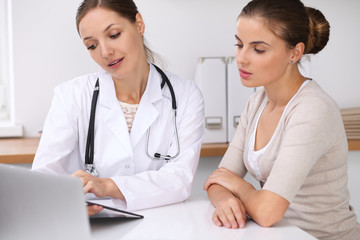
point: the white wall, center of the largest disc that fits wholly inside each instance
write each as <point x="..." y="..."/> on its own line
<point x="47" y="50"/>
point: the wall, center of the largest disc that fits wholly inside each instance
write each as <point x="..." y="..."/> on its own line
<point x="48" y="51"/>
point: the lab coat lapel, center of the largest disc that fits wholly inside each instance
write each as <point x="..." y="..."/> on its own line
<point x="147" y="112"/>
<point x="114" y="117"/>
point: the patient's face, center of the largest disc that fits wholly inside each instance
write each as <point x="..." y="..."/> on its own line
<point x="262" y="57"/>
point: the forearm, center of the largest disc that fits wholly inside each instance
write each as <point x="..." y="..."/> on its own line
<point x="265" y="207"/>
<point x="218" y="193"/>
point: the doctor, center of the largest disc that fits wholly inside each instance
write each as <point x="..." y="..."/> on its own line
<point x="144" y="153"/>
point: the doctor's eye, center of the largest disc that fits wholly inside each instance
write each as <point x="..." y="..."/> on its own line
<point x="92" y="47"/>
<point x="114" y="36"/>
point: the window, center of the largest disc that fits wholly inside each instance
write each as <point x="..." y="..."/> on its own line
<point x="4" y="62"/>
<point x="7" y="122"/>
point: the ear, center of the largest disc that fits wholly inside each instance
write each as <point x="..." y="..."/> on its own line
<point x="140" y="25"/>
<point x="297" y="52"/>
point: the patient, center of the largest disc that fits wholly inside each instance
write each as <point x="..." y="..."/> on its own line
<point x="290" y="137"/>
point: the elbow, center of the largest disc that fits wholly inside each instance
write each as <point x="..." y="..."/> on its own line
<point x="267" y="221"/>
<point x="269" y="210"/>
<point x="268" y="217"/>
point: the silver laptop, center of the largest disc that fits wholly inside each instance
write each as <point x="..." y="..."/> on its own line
<point x="41" y="206"/>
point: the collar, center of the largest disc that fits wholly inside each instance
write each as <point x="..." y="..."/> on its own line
<point x="107" y="95"/>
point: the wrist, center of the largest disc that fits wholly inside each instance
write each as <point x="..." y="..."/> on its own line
<point x="242" y="188"/>
<point x="111" y="189"/>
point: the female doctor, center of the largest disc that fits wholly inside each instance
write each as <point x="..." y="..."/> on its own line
<point x="144" y="153"/>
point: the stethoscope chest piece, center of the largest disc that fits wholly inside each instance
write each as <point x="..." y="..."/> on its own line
<point x="89" y="168"/>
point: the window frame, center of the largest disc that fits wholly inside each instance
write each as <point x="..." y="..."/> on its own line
<point x="8" y="128"/>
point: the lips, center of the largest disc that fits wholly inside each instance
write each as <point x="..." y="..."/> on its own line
<point x="115" y="63"/>
<point x="244" y="74"/>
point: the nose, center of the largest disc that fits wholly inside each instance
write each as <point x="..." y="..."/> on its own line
<point x="106" y="50"/>
<point x="241" y="56"/>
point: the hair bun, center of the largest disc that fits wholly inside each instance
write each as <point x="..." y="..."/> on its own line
<point x="319" y="31"/>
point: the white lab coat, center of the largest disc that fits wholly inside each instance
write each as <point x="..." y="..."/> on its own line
<point x="144" y="182"/>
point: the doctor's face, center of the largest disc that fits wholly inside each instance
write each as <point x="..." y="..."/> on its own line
<point x="262" y="57"/>
<point x="115" y="43"/>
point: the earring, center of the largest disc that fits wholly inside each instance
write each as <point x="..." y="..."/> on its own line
<point x="291" y="61"/>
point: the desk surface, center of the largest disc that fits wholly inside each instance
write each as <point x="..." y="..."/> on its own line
<point x="188" y="220"/>
<point x="22" y="150"/>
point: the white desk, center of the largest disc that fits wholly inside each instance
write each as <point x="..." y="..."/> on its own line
<point x="188" y="220"/>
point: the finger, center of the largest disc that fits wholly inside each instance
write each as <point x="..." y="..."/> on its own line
<point x="233" y="223"/>
<point x="239" y="214"/>
<point x="216" y="220"/>
<point x="223" y="218"/>
<point x="212" y="179"/>
<point x="88" y="187"/>
<point x="79" y="173"/>
<point x="240" y="219"/>
<point x="224" y="170"/>
<point x="242" y="222"/>
<point x="94" y="209"/>
<point x="207" y="184"/>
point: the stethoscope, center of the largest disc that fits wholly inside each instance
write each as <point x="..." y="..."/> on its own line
<point x="89" y="152"/>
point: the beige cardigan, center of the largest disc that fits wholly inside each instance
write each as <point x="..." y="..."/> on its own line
<point x="306" y="162"/>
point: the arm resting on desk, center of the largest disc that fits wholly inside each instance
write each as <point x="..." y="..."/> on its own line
<point x="265" y="207"/>
<point x="230" y="211"/>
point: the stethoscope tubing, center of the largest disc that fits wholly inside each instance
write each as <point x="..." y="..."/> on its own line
<point x="89" y="151"/>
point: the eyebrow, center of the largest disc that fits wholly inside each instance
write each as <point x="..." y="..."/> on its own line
<point x="107" y="28"/>
<point x="254" y="42"/>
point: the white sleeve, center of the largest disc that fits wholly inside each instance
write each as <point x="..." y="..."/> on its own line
<point x="58" y="139"/>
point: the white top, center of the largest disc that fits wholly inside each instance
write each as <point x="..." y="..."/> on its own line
<point x="129" y="113"/>
<point x="144" y="182"/>
<point x="253" y="156"/>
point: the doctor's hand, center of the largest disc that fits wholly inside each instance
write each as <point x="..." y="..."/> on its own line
<point x="94" y="209"/>
<point x="91" y="184"/>
<point x="101" y="187"/>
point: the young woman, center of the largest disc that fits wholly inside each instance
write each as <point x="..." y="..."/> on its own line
<point x="142" y="144"/>
<point x="291" y="136"/>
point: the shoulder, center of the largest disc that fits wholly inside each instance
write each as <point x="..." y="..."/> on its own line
<point x="313" y="105"/>
<point x="73" y="93"/>
<point x="182" y="83"/>
<point x="184" y="88"/>
<point x="315" y="100"/>
<point x="77" y="84"/>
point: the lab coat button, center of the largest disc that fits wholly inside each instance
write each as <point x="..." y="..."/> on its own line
<point x="127" y="166"/>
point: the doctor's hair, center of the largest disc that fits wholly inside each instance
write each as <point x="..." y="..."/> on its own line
<point x="291" y="21"/>
<point x="125" y="8"/>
